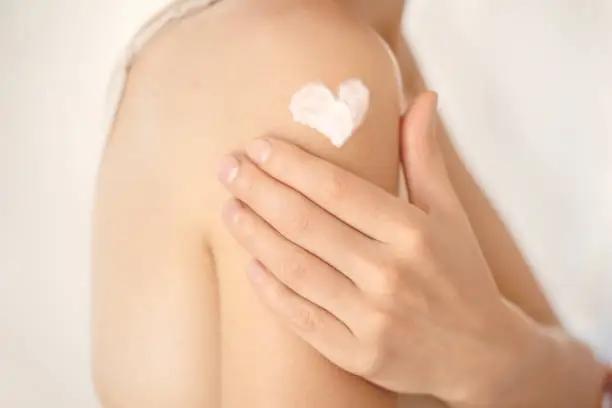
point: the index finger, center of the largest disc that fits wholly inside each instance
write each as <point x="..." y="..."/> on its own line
<point x="358" y="202"/>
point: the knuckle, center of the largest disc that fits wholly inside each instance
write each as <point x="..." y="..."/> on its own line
<point x="388" y="280"/>
<point x="305" y="319"/>
<point x="334" y="186"/>
<point x="276" y="294"/>
<point x="404" y="221"/>
<point x="384" y="272"/>
<point x="418" y="243"/>
<point x="297" y="222"/>
<point x="376" y="347"/>
<point x="371" y="362"/>
<point x="335" y="289"/>
<point x="292" y="273"/>
<point x="373" y="262"/>
<point x="379" y="329"/>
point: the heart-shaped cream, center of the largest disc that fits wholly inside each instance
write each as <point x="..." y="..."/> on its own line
<point x="337" y="117"/>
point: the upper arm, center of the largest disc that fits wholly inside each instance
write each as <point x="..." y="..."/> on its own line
<point x="155" y="307"/>
<point x="200" y="89"/>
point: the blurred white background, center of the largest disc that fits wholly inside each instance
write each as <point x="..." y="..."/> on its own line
<point x="526" y="86"/>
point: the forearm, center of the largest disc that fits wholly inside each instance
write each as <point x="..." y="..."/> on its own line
<point x="570" y="374"/>
<point x="559" y="372"/>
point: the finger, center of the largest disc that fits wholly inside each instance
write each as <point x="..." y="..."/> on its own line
<point x="361" y="204"/>
<point x="299" y="270"/>
<point x="316" y="326"/>
<point x="297" y="218"/>
<point x="429" y="187"/>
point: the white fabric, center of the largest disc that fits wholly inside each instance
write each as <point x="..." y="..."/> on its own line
<point x="544" y="158"/>
<point x="526" y="90"/>
<point x="176" y="10"/>
<point x="172" y="11"/>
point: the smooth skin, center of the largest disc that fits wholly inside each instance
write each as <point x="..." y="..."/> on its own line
<point x="377" y="284"/>
<point x="175" y="321"/>
<point x="369" y="280"/>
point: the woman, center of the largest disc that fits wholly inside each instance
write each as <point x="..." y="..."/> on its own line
<point x="176" y="322"/>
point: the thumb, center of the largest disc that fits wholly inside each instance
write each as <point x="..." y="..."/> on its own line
<point x="427" y="182"/>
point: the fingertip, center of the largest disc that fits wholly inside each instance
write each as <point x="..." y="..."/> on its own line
<point x="259" y="150"/>
<point x="228" y="168"/>
<point x="433" y="104"/>
<point x="432" y="97"/>
<point x="425" y="106"/>
<point x="232" y="210"/>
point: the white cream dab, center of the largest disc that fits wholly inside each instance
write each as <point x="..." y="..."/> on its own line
<point x="336" y="117"/>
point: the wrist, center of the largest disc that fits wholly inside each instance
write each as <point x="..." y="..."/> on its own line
<point x="540" y="367"/>
<point x="566" y="375"/>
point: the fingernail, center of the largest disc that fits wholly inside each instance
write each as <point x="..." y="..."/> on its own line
<point x="228" y="169"/>
<point x="232" y="211"/>
<point x="433" y="124"/>
<point x="259" y="150"/>
<point x="435" y="106"/>
<point x="256" y="272"/>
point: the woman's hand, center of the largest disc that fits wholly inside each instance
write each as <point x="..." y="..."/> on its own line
<point x="395" y="292"/>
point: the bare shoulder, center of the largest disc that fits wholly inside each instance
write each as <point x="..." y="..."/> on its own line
<point x="206" y="84"/>
<point x="200" y="88"/>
